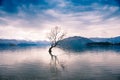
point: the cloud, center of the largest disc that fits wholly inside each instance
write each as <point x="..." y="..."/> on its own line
<point x="75" y="16"/>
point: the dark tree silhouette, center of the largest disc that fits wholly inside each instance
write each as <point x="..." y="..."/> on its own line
<point x="55" y="36"/>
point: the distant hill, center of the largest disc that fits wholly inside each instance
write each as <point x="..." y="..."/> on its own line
<point x="111" y="40"/>
<point x="114" y="39"/>
<point x="75" y="42"/>
<point x="13" y="42"/>
<point x="99" y="39"/>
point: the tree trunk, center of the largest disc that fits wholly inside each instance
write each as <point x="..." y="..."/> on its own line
<point x="50" y="50"/>
<point x="52" y="46"/>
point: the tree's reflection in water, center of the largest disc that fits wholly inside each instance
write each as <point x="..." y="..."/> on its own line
<point x="56" y="67"/>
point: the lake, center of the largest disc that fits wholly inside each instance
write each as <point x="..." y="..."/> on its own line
<point x="36" y="64"/>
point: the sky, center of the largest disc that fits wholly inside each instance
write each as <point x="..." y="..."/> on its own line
<point x="33" y="19"/>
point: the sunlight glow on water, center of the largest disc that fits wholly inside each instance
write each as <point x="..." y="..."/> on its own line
<point x="36" y="64"/>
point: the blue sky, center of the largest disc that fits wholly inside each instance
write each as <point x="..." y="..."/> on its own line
<point x="32" y="19"/>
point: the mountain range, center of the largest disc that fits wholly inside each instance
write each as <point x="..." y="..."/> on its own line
<point x="77" y="43"/>
<point x="14" y="42"/>
<point x="111" y="40"/>
<point x="70" y="42"/>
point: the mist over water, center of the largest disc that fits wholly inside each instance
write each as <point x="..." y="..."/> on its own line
<point x="36" y="64"/>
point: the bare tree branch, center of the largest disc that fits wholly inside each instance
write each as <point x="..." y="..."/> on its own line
<point x="55" y="35"/>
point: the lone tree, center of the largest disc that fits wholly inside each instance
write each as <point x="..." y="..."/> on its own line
<point x="55" y="36"/>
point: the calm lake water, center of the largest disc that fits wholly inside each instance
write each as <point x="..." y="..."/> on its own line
<point x="37" y="64"/>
